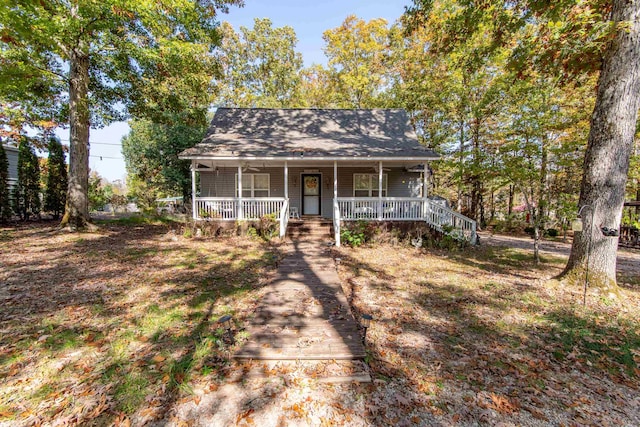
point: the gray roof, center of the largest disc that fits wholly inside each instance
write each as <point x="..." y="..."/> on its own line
<point x="330" y="133"/>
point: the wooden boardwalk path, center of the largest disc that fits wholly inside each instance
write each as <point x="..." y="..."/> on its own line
<point x="304" y="314"/>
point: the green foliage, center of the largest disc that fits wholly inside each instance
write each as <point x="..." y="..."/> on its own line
<point x="56" y="186"/>
<point x="26" y="194"/>
<point x="357" y="233"/>
<point x="151" y="151"/>
<point x="260" y="66"/>
<point x="86" y="63"/>
<point x="356" y="52"/>
<point x="552" y="232"/>
<point x="5" y="199"/>
<point x="99" y="192"/>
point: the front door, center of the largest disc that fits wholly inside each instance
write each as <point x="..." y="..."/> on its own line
<point x="311" y="189"/>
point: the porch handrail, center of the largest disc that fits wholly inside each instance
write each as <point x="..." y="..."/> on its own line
<point x="284" y="218"/>
<point x="336" y="222"/>
<point x="436" y="215"/>
<point x="452" y="223"/>
<point x="226" y="208"/>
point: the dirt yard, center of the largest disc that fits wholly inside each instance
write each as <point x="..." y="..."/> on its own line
<point x="119" y="327"/>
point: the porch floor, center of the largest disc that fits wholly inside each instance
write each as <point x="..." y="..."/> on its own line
<point x="304" y="314"/>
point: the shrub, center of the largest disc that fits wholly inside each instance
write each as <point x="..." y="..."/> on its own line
<point x="529" y="230"/>
<point x="268" y="226"/>
<point x="358" y="233"/>
<point x="552" y="232"/>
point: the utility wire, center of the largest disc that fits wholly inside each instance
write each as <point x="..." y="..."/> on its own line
<point x="97" y="142"/>
<point x="106" y="157"/>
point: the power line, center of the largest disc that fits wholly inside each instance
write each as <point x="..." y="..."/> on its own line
<point x="97" y="142"/>
<point x="106" y="157"/>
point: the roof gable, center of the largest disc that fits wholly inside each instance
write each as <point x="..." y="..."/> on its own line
<point x="256" y="133"/>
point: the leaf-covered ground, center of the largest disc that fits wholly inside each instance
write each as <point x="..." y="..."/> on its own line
<point x="119" y="327"/>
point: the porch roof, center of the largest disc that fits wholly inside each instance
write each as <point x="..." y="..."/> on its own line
<point x="309" y="134"/>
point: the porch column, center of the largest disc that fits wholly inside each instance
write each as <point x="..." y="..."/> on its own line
<point x="194" y="213"/>
<point x="425" y="178"/>
<point x="239" y="214"/>
<point x="380" y="190"/>
<point x="286" y="180"/>
<point x="335" y="180"/>
<point x="336" y="221"/>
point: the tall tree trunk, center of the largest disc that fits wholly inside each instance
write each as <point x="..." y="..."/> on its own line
<point x="77" y="207"/>
<point x="606" y="164"/>
<point x="510" y="201"/>
<point x="476" y="185"/>
<point x="461" y="164"/>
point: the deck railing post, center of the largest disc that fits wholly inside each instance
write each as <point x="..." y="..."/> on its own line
<point x="194" y="212"/>
<point x="240" y="214"/>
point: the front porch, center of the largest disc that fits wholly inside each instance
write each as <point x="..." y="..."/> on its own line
<point x="363" y="191"/>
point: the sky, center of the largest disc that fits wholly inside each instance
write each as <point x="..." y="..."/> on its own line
<point x="309" y="19"/>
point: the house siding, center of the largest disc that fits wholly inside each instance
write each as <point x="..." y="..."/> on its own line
<point x="222" y="183"/>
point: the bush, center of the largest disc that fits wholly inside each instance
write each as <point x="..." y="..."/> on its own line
<point x="268" y="226"/>
<point x="358" y="233"/>
<point x="529" y="230"/>
<point x="552" y="232"/>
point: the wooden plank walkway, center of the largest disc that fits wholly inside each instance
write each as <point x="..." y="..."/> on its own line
<point x="304" y="314"/>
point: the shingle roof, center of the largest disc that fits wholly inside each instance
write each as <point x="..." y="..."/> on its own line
<point x="283" y="133"/>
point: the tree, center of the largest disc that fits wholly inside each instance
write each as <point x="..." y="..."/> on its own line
<point x="260" y="66"/>
<point x="566" y="40"/>
<point x="5" y="204"/>
<point x="611" y="138"/>
<point x="99" y="192"/>
<point x="56" y="187"/>
<point x="26" y="194"/>
<point x="151" y="155"/>
<point x="356" y="51"/>
<point x="144" y="55"/>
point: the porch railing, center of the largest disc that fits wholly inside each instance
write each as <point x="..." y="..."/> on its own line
<point x="405" y="209"/>
<point x="284" y="218"/>
<point x="233" y="208"/>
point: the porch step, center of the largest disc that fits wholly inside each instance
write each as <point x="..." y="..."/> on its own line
<point x="314" y="228"/>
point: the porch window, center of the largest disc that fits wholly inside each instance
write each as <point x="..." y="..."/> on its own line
<point x="254" y="185"/>
<point x="366" y="185"/>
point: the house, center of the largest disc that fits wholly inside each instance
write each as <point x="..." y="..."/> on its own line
<point x="12" y="157"/>
<point x="342" y="165"/>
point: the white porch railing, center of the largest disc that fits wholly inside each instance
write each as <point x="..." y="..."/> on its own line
<point x="404" y="209"/>
<point x="233" y="208"/>
<point x="336" y="221"/>
<point x="284" y="218"/>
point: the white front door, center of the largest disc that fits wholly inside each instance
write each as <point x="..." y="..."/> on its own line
<point x="311" y="189"/>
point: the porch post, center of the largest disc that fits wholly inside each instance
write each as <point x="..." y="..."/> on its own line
<point x="286" y="180"/>
<point x="336" y="221"/>
<point x="239" y="214"/>
<point x="335" y="180"/>
<point x="194" y="214"/>
<point x="425" y="178"/>
<point x="380" y="190"/>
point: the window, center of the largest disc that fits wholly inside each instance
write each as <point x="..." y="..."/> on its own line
<point x="254" y="185"/>
<point x="366" y="185"/>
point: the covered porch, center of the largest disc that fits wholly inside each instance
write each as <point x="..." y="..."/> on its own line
<point x="339" y="190"/>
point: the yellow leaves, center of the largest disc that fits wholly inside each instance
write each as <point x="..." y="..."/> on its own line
<point x="158" y="358"/>
<point x="244" y="418"/>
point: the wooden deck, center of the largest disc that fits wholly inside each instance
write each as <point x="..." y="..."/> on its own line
<point x="304" y="315"/>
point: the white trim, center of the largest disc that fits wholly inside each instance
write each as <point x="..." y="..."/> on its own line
<point x="250" y="177"/>
<point x="302" y="191"/>
<point x="372" y="181"/>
